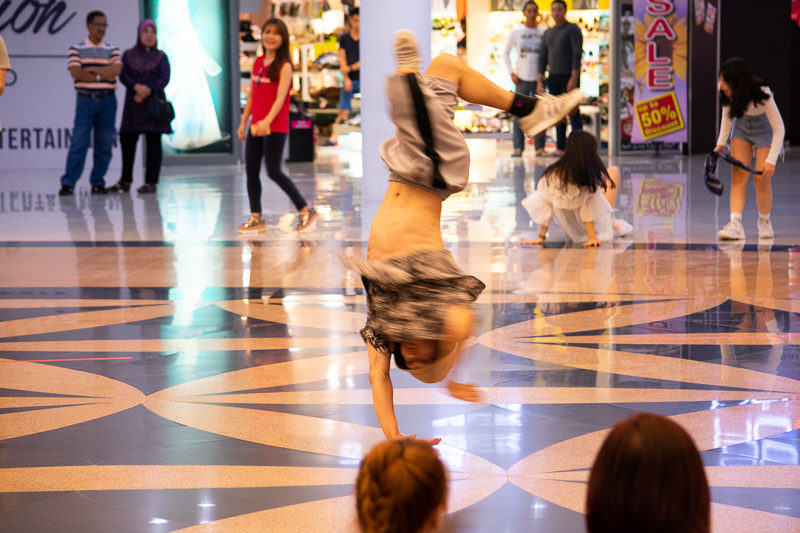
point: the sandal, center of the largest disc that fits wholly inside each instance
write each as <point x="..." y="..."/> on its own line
<point x="147" y="188"/>
<point x="120" y="186"/>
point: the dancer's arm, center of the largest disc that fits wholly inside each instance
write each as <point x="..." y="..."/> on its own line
<point x="383" y="395"/>
<point x="542" y="236"/>
<point x="382" y="392"/>
<point x="724" y="129"/>
<point x="592" y="241"/>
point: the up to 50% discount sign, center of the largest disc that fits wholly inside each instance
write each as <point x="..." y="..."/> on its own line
<point x="659" y="116"/>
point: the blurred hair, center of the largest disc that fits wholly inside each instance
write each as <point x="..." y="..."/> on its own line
<point x="580" y="164"/>
<point x="282" y="53"/>
<point x="400" y="485"/>
<point x="562" y="2"/>
<point x="745" y="87"/>
<point x="648" y="476"/>
<point x="529" y="2"/>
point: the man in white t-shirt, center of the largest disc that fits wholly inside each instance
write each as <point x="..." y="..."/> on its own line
<point x="526" y="38"/>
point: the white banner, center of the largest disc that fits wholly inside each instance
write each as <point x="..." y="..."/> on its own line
<point x="37" y="110"/>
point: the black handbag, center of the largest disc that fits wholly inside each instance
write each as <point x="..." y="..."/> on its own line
<point x="159" y="109"/>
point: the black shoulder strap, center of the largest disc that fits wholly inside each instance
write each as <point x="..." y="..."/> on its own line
<point x="424" y="126"/>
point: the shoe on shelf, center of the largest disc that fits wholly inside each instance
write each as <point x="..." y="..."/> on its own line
<point x="120" y="186"/>
<point x="308" y="215"/>
<point x="621" y="227"/>
<point x="516" y="153"/>
<point x="765" y="228"/>
<point x="254" y="223"/>
<point x="99" y="189"/>
<point x="65" y="190"/>
<point x="147" y="188"/>
<point x="329" y="143"/>
<point x="406" y="51"/>
<point x="549" y="111"/>
<point x="733" y="231"/>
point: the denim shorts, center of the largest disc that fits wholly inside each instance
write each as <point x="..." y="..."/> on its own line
<point x="754" y="129"/>
<point x="346" y="97"/>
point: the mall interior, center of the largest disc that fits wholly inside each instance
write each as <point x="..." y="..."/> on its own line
<point x="162" y="371"/>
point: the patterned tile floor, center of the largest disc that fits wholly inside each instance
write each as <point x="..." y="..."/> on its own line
<point x="159" y="373"/>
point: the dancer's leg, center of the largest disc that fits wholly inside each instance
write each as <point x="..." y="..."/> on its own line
<point x="473" y="86"/>
<point x="763" y="185"/>
<point x="743" y="151"/>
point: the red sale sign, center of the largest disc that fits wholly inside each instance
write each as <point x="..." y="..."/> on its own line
<point x="661" y="65"/>
<point x="659" y="116"/>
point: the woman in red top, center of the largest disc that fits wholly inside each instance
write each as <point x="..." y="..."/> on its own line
<point x="268" y="108"/>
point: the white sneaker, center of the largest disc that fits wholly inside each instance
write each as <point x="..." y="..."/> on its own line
<point x="406" y="51"/>
<point x="549" y="110"/>
<point x="733" y="231"/>
<point x="621" y="227"/>
<point x="765" y="228"/>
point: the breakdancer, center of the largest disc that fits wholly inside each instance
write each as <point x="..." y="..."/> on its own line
<point x="418" y="299"/>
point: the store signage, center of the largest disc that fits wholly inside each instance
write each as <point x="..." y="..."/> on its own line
<point x="659" y="116"/>
<point x="661" y="67"/>
<point x="34" y="16"/>
<point x="37" y="109"/>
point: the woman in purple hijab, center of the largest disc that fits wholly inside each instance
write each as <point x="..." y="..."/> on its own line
<point x="145" y="73"/>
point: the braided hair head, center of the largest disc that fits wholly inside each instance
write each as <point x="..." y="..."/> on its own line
<point x="401" y="486"/>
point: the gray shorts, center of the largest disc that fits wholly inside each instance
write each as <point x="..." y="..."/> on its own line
<point x="754" y="129"/>
<point x="409" y="297"/>
<point x="404" y="154"/>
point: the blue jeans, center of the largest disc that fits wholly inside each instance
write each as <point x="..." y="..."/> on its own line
<point x="100" y="114"/>
<point x="557" y="84"/>
<point x="346" y="97"/>
<point x="528" y="88"/>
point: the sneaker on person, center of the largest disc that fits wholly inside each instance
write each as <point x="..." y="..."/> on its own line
<point x="621" y="227"/>
<point x="329" y="143"/>
<point x="65" y="190"/>
<point x="308" y="215"/>
<point x="254" y="223"/>
<point x="733" y="231"/>
<point x="406" y="51"/>
<point x="765" y="229"/>
<point x="549" y="111"/>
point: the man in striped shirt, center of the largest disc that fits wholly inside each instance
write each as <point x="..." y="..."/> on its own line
<point x="94" y="65"/>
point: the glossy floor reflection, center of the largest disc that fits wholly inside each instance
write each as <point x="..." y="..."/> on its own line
<point x="158" y="372"/>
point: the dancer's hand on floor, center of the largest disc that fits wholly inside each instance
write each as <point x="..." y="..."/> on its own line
<point x="432" y="442"/>
<point x="468" y="392"/>
<point x="591" y="242"/>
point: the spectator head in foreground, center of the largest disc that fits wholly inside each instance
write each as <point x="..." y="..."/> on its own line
<point x="401" y="488"/>
<point x="648" y="476"/>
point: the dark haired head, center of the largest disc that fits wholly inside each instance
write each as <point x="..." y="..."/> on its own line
<point x="562" y="2"/>
<point x="580" y="165"/>
<point x="282" y="53"/>
<point x="354" y="11"/>
<point x="529" y="2"/>
<point x="93" y="15"/>
<point x="745" y="87"/>
<point x="648" y="476"/>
